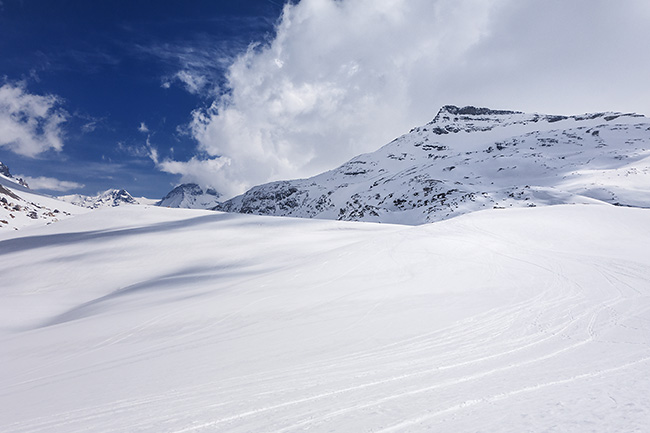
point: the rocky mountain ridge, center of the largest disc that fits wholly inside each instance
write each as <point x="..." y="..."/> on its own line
<point x="108" y="198"/>
<point x="471" y="158"/>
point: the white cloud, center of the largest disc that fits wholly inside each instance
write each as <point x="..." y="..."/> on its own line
<point x="207" y="172"/>
<point x="344" y="77"/>
<point x="146" y="150"/>
<point x="29" y="124"/>
<point x="89" y="127"/>
<point x="193" y="82"/>
<point x="143" y="127"/>
<point x="198" y="64"/>
<point x="153" y="152"/>
<point x="50" y="183"/>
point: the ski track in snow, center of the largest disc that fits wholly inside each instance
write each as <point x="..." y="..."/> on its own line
<point x="549" y="337"/>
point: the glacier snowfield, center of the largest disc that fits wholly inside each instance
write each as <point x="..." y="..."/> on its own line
<point x="145" y="319"/>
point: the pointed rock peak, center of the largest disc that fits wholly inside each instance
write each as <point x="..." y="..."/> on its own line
<point x="4" y="170"/>
<point x="123" y="195"/>
<point x="108" y="198"/>
<point x="111" y="197"/>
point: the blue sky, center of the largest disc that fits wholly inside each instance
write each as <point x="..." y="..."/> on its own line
<point x="114" y="66"/>
<point x="144" y="95"/>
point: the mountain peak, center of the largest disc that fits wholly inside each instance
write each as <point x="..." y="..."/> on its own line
<point x="108" y="198"/>
<point x="4" y="170"/>
<point x="470" y="110"/>
<point x="190" y="195"/>
<point x="452" y="119"/>
<point x="116" y="197"/>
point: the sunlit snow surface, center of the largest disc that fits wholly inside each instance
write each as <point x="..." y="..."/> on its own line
<point x="163" y="320"/>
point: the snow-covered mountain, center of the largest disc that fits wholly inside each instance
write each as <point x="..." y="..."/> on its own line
<point x="467" y="159"/>
<point x="190" y="196"/>
<point x="21" y="207"/>
<point x="108" y="198"/>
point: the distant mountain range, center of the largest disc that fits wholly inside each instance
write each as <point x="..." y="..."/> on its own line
<point x="109" y="198"/>
<point x="466" y="159"/>
<point x="21" y="207"/>
<point x="187" y="195"/>
<point x="469" y="158"/>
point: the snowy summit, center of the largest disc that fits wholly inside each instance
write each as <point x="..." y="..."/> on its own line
<point x="109" y="198"/>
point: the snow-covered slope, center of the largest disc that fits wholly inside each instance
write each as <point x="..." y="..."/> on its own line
<point x="190" y="196"/>
<point x="470" y="158"/>
<point x="108" y="198"/>
<point x="7" y="176"/>
<point x="21" y="207"/>
<point x="147" y="319"/>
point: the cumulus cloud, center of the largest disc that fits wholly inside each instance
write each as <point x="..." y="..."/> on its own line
<point x="143" y="128"/>
<point x="29" y="124"/>
<point x="50" y="183"/>
<point x="344" y="77"/>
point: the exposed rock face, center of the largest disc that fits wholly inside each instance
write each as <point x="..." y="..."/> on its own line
<point x="4" y="170"/>
<point x="470" y="158"/>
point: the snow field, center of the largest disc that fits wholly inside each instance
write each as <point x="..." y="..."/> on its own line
<point x="161" y="320"/>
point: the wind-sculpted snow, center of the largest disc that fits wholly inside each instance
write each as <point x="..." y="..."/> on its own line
<point x="469" y="159"/>
<point x="146" y="319"/>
